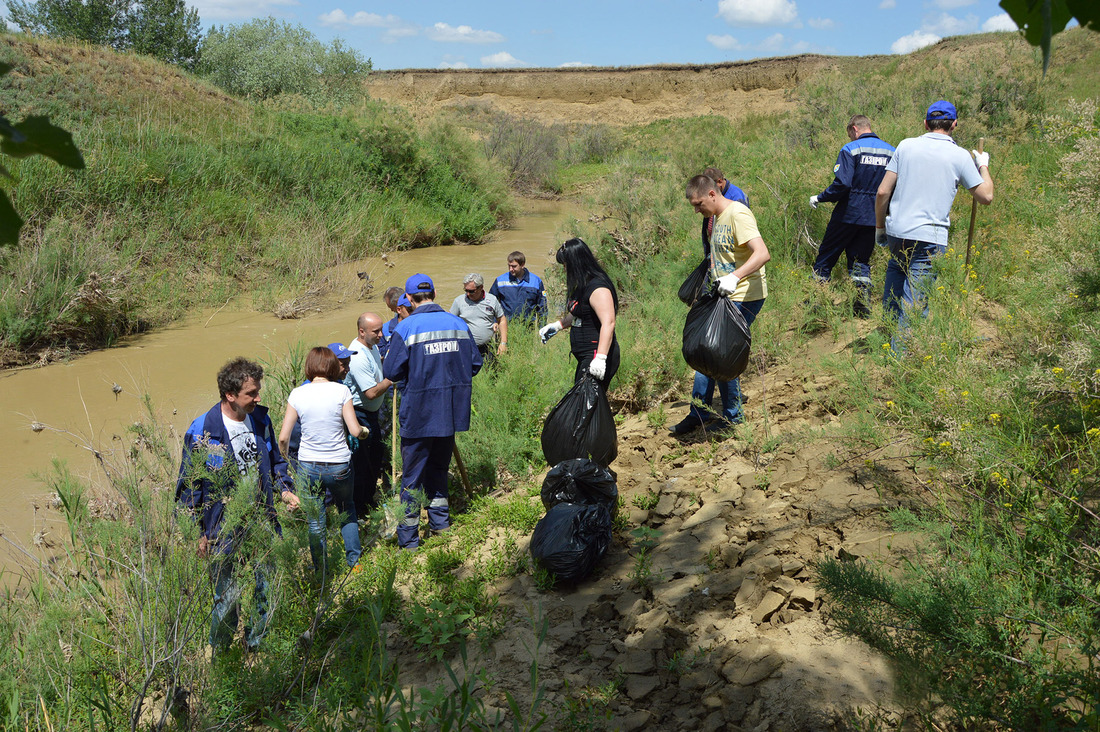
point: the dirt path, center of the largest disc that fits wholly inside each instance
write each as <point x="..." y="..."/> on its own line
<point x="727" y="632"/>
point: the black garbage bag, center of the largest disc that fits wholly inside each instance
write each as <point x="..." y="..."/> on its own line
<point x="580" y="481"/>
<point x="716" y="337"/>
<point x="693" y="285"/>
<point x="570" y="539"/>
<point x="581" y="426"/>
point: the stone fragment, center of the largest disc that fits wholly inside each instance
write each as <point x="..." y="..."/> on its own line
<point x="746" y="594"/>
<point x="676" y="591"/>
<point x="767" y="567"/>
<point x="639" y="685"/>
<point x="793" y="567"/>
<point x="768" y="606"/>
<point x="636" y="661"/>
<point x="633" y="721"/>
<point x="665" y="505"/>
<point x="804" y="597"/>
<point x="715" y="721"/>
<point x="638" y="516"/>
<point x="707" y="512"/>
<point x="785" y="584"/>
<point x="753" y="663"/>
<point x="712" y="702"/>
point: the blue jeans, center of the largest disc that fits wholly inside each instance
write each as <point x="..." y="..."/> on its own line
<point x="702" y="389"/>
<point x="909" y="280"/>
<point x="227" y="602"/>
<point x="336" y="479"/>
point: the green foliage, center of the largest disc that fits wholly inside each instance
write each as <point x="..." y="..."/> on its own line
<point x="167" y="30"/>
<point x="266" y="58"/>
<point x="1039" y="20"/>
<point x="33" y="136"/>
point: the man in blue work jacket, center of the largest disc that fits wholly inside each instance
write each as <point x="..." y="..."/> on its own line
<point x="230" y="445"/>
<point x="520" y="291"/>
<point x="433" y="354"/>
<point x="851" y="231"/>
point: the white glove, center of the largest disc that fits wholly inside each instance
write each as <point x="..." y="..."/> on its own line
<point x="598" y="367"/>
<point x="813" y="201"/>
<point x="727" y="284"/>
<point x="549" y="330"/>
<point x="980" y="158"/>
<point x="880" y="237"/>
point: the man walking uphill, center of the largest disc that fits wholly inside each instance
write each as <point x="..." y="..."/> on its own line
<point x="858" y="171"/>
<point x="913" y="205"/>
<point x="233" y="445"/>
<point x="433" y="353"/>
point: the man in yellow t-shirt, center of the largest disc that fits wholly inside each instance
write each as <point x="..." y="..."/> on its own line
<point x="737" y="254"/>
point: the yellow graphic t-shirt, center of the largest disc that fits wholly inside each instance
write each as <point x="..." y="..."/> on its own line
<point x="732" y="228"/>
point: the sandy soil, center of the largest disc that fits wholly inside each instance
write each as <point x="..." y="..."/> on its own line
<point x="730" y="632"/>
<point x="614" y="96"/>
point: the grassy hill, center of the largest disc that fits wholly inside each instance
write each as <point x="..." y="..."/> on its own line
<point x="982" y="439"/>
<point x="190" y="195"/>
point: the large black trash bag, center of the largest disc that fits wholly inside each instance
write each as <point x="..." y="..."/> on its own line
<point x="580" y="481"/>
<point x="581" y="426"/>
<point x="570" y="539"/>
<point x="716" y="337"/>
<point x="693" y="285"/>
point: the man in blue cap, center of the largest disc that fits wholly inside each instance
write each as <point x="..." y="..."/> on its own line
<point x="913" y="206"/>
<point x="859" y="169"/>
<point x="433" y="353"/>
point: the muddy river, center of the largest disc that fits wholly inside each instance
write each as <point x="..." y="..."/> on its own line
<point x="80" y="409"/>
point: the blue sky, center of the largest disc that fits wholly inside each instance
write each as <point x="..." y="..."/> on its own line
<point x="523" y="33"/>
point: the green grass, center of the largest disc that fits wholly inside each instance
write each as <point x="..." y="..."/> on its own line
<point x="191" y="197"/>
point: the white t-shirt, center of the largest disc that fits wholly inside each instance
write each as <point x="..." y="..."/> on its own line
<point x="243" y="438"/>
<point x="319" y="405"/>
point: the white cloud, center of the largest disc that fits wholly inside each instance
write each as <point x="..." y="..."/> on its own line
<point x="821" y="23"/>
<point x="758" y="12"/>
<point x="772" y="44"/>
<point x="338" y="18"/>
<point x="453" y="65"/>
<point x="573" y="65"/>
<point x="726" y="42"/>
<point x="952" y="4"/>
<point x="503" y="59"/>
<point x="396" y="34"/>
<point x="888" y="4"/>
<point x="461" y="34"/>
<point x="913" y="41"/>
<point x="241" y="9"/>
<point x="1000" y="22"/>
<point x="949" y="25"/>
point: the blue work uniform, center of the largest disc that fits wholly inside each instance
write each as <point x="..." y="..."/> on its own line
<point x="734" y="193"/>
<point x="521" y="296"/>
<point x="387" y="332"/>
<point x="434" y="354"/>
<point x="859" y="169"/>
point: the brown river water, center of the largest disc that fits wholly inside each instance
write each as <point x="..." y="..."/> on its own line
<point x="176" y="366"/>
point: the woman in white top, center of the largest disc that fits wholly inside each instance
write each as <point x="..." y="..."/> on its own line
<point x="324" y="406"/>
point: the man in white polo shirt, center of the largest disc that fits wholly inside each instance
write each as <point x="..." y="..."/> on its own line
<point x="913" y="207"/>
<point x="368" y="391"/>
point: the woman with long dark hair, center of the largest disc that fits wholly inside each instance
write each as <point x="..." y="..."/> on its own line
<point x="591" y="306"/>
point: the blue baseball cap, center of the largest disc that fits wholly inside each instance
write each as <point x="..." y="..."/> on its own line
<point x="419" y="283"/>
<point x="340" y="351"/>
<point x="941" y="110"/>
<point x="403" y="302"/>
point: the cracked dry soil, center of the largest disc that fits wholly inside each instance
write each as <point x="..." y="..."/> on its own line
<point x="729" y="631"/>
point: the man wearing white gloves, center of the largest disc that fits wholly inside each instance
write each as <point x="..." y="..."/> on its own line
<point x="737" y="255"/>
<point x="913" y="207"/>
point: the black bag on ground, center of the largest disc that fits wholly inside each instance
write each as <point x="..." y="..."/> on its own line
<point x="716" y="337"/>
<point x="580" y="481"/>
<point x="581" y="426"/>
<point x="570" y="539"/>
<point x="693" y="285"/>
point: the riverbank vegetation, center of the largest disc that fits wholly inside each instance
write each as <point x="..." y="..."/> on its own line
<point x="995" y="406"/>
<point x="191" y="197"/>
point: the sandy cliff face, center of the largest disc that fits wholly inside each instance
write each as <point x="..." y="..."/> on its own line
<point x="617" y="96"/>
